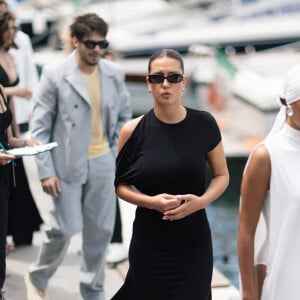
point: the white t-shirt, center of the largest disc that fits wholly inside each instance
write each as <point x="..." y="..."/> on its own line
<point x="27" y="73"/>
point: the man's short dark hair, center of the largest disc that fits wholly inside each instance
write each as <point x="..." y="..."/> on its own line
<point x="86" y="24"/>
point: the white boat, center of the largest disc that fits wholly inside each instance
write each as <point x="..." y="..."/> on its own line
<point x="137" y="28"/>
<point x="242" y="91"/>
<point x="42" y="19"/>
<point x="128" y="19"/>
<point x="226" y="25"/>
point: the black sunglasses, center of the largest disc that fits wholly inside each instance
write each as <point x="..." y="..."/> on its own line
<point x="92" y="44"/>
<point x="171" y="78"/>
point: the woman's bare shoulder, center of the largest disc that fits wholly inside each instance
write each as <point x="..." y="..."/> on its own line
<point x="127" y="130"/>
<point x="130" y="125"/>
<point x="260" y="153"/>
<point x="259" y="161"/>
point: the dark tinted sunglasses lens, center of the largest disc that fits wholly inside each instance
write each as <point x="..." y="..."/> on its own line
<point x="174" y="78"/>
<point x="103" y="44"/>
<point x="90" y="44"/>
<point x="156" y="78"/>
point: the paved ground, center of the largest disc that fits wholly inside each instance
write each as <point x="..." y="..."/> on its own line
<point x="65" y="283"/>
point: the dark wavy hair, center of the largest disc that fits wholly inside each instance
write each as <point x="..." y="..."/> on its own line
<point x="5" y="17"/>
<point x="171" y="53"/>
<point x="86" y="24"/>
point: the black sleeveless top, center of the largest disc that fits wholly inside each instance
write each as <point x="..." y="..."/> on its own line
<point x="6" y="117"/>
<point x="4" y="79"/>
<point x="5" y="120"/>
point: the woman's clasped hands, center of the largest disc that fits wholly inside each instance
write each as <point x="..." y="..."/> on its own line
<point x="176" y="207"/>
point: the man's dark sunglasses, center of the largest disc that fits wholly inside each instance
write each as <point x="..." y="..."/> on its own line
<point x="92" y="44"/>
<point x="159" y="78"/>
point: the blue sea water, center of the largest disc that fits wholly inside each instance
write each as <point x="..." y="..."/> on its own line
<point x="223" y="218"/>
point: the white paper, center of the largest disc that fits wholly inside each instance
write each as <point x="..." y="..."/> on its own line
<point x="32" y="150"/>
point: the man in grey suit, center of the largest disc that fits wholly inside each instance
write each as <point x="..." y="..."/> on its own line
<point x="81" y="103"/>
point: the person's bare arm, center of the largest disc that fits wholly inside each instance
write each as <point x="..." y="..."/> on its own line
<point x="255" y="184"/>
<point x="16" y="142"/>
<point x="220" y="176"/>
<point x="14" y="125"/>
<point x="18" y="91"/>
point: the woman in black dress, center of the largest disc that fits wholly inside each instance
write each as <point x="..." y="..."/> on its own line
<point x="6" y="177"/>
<point x="161" y="168"/>
<point x="5" y="170"/>
<point x="24" y="217"/>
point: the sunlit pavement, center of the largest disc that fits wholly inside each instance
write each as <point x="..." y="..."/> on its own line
<point x="64" y="285"/>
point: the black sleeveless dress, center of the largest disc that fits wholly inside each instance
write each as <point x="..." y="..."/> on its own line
<point x="5" y="187"/>
<point x="168" y="260"/>
<point x="23" y="215"/>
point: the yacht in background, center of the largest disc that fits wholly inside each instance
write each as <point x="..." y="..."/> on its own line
<point x="257" y="25"/>
<point x="137" y="28"/>
<point x="242" y="90"/>
<point x="43" y="20"/>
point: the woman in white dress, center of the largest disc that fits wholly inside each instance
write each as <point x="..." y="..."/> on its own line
<point x="269" y="220"/>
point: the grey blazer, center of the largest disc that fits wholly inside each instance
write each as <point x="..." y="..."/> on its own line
<point x="62" y="114"/>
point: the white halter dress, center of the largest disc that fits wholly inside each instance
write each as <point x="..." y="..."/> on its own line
<point x="278" y="234"/>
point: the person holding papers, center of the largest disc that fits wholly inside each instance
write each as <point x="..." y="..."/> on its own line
<point x="5" y="158"/>
<point x="24" y="217"/>
<point x="7" y="140"/>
